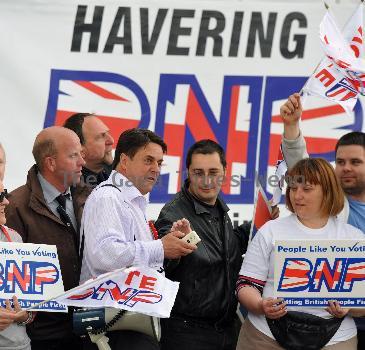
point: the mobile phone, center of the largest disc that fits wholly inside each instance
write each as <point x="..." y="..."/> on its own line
<point x="191" y="238"/>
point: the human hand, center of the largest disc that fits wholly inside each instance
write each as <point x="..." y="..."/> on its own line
<point x="174" y="247"/>
<point x="274" y="308"/>
<point x="21" y="315"/>
<point x="8" y="315"/>
<point x="336" y="310"/>
<point x="182" y="225"/>
<point x="291" y="110"/>
<point x="6" y="318"/>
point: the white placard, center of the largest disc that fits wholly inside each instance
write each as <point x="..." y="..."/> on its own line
<point x="310" y="273"/>
<point x="32" y="273"/>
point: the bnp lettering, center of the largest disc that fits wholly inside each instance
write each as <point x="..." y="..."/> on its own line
<point x="300" y="274"/>
<point x="141" y="291"/>
<point x="29" y="278"/>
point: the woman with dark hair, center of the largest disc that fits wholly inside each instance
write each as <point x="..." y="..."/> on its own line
<point x="13" y="335"/>
<point x="314" y="196"/>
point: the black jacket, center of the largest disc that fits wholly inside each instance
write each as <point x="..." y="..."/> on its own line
<point x="207" y="276"/>
<point x="29" y="215"/>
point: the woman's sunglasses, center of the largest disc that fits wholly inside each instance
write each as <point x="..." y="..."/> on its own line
<point x="3" y="195"/>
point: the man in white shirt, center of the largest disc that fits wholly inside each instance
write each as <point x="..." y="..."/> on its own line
<point x="116" y="231"/>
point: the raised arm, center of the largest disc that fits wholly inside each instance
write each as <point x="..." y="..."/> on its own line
<point x="293" y="143"/>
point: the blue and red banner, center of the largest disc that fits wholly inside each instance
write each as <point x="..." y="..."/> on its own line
<point x="211" y="69"/>
<point x="313" y="272"/>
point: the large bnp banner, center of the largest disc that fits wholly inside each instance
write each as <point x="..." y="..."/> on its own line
<point x="187" y="70"/>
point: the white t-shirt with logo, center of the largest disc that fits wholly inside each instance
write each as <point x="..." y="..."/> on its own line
<point x="259" y="264"/>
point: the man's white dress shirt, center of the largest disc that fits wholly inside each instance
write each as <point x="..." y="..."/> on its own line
<point x="116" y="229"/>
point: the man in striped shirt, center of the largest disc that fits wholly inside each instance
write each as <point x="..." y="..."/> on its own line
<point x="115" y="226"/>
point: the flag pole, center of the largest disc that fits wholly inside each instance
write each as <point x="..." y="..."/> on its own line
<point x="302" y="89"/>
<point x="70" y="291"/>
<point x="257" y="186"/>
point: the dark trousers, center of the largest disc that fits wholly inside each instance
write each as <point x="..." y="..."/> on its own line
<point x="125" y="340"/>
<point x="57" y="344"/>
<point x="179" y="334"/>
<point x="361" y="339"/>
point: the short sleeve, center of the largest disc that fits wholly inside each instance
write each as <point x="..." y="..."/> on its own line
<point x="257" y="259"/>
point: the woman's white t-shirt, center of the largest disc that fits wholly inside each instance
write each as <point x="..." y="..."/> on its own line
<point x="259" y="263"/>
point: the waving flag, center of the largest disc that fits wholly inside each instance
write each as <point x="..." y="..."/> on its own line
<point x="344" y="49"/>
<point x="262" y="211"/>
<point x="138" y="289"/>
<point x="340" y="76"/>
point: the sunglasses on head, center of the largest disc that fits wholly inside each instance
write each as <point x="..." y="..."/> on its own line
<point x="3" y="195"/>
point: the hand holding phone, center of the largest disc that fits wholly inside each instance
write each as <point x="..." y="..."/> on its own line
<point x="191" y="238"/>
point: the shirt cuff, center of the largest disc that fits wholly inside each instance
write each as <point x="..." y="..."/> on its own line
<point x="156" y="255"/>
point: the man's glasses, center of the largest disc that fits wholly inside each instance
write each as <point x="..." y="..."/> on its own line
<point x="3" y="195"/>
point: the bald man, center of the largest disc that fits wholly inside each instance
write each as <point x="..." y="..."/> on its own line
<point x="48" y="210"/>
<point x="97" y="146"/>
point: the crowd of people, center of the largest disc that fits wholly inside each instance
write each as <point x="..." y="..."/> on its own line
<point x="93" y="208"/>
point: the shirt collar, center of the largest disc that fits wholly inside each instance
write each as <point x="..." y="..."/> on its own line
<point x="355" y="202"/>
<point x="130" y="191"/>
<point x="50" y="192"/>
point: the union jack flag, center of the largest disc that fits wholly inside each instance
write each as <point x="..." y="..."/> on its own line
<point x="262" y="212"/>
<point x="115" y="99"/>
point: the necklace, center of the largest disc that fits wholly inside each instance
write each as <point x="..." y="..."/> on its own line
<point x="6" y="234"/>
